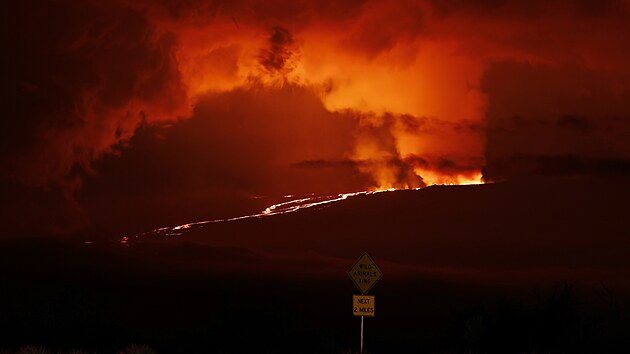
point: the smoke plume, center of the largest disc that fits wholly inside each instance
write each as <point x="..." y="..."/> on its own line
<point x="422" y="92"/>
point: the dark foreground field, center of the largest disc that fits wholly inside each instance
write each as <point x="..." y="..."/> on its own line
<point x="537" y="266"/>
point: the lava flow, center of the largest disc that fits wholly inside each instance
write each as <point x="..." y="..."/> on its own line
<point x="276" y="209"/>
<point x="290" y="206"/>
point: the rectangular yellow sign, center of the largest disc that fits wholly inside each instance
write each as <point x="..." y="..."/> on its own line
<point x="363" y="305"/>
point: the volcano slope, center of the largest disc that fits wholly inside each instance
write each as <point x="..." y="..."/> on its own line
<point x="508" y="267"/>
<point x="572" y="227"/>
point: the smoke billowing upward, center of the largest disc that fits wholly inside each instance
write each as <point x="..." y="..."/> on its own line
<point x="277" y="57"/>
<point x="325" y="96"/>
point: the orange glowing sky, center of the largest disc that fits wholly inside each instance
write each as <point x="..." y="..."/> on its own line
<point x="399" y="86"/>
<point x="210" y="100"/>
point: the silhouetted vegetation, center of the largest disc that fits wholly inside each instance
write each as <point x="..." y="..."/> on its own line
<point x="480" y="278"/>
<point x="104" y="309"/>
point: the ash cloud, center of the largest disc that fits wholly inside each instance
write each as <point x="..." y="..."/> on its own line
<point x="523" y="166"/>
<point x="238" y="146"/>
<point x="555" y="121"/>
<point x="415" y="88"/>
<point x="80" y="77"/>
<point x="277" y="57"/>
<point x="85" y="75"/>
<point x="109" y="66"/>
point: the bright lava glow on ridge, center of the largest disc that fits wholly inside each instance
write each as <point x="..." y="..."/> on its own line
<point x="276" y="209"/>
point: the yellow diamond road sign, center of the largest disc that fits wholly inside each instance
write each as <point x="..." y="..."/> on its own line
<point x="365" y="274"/>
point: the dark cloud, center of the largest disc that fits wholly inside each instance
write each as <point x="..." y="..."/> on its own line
<point x="400" y="170"/>
<point x="84" y="75"/>
<point x="521" y="166"/>
<point x="575" y="122"/>
<point x="433" y="163"/>
<point x="237" y="147"/>
<point x="278" y="56"/>
<point x="409" y="87"/>
<point x="570" y="145"/>
<point x="526" y="10"/>
<point x="374" y="32"/>
<point x="429" y="125"/>
<point x="554" y="120"/>
<point x="444" y="164"/>
<point x="319" y="164"/>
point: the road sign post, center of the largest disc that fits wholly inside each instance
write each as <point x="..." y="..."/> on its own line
<point x="361" y="345"/>
<point x="364" y="274"/>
